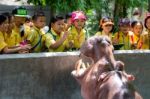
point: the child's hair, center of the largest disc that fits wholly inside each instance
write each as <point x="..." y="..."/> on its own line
<point x="55" y="19"/>
<point x="146" y="21"/>
<point x="67" y="16"/>
<point x="38" y="14"/>
<point x="135" y="23"/>
<point x="8" y="15"/>
<point x="28" y="19"/>
<point x="124" y="22"/>
<point x="2" y="19"/>
<point x="104" y="20"/>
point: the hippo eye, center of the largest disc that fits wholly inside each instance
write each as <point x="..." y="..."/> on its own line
<point x="108" y="41"/>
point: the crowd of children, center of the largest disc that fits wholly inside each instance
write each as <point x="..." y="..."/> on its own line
<point x="21" y="33"/>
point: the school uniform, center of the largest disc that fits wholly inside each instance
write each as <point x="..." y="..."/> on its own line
<point x="104" y="34"/>
<point x="134" y="40"/>
<point x="77" y="38"/>
<point x="123" y="39"/>
<point x="145" y="40"/>
<point x="39" y="40"/>
<point x="3" y="44"/>
<point x="57" y="37"/>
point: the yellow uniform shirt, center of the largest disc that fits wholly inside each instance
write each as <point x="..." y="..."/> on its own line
<point x="77" y="38"/>
<point x="56" y="37"/>
<point x="13" y="39"/>
<point x="47" y="40"/>
<point x="16" y="33"/>
<point x="122" y="39"/>
<point x="134" y="39"/>
<point x="101" y="33"/>
<point x="145" y="40"/>
<point x="27" y="31"/>
<point x="3" y="44"/>
<point x="38" y="40"/>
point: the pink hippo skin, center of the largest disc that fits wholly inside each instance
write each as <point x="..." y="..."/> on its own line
<point x="105" y="78"/>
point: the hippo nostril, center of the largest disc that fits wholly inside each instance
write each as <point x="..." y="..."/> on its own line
<point x="104" y="43"/>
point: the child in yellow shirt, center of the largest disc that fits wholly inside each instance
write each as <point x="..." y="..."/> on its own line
<point x="19" y="13"/>
<point x="122" y="36"/>
<point x="145" y="36"/>
<point x="39" y="40"/>
<point x="135" y="34"/>
<point x="59" y="34"/>
<point x="77" y="32"/>
<point x="3" y="45"/>
<point x="106" y="27"/>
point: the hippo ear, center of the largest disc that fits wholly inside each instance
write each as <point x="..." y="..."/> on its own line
<point x="119" y="66"/>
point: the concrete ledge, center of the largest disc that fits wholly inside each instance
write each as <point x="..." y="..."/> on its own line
<point x="38" y="55"/>
<point x="47" y="75"/>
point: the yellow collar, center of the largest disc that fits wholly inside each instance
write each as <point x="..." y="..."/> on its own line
<point x="74" y="29"/>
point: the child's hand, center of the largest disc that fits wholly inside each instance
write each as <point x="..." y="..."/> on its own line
<point x="65" y="35"/>
<point x="133" y="46"/>
<point x="24" y="51"/>
<point x="25" y="47"/>
<point x="71" y="44"/>
<point x="115" y="41"/>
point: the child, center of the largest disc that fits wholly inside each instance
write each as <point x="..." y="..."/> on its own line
<point x="122" y="36"/>
<point x="9" y="37"/>
<point x="26" y="28"/>
<point x="145" y="36"/>
<point x="3" y="45"/>
<point x="106" y="27"/>
<point x="35" y="37"/>
<point x="59" y="34"/>
<point x="39" y="40"/>
<point x="28" y="21"/>
<point x="137" y="29"/>
<point x="19" y="13"/>
<point x="67" y="21"/>
<point x="77" y="32"/>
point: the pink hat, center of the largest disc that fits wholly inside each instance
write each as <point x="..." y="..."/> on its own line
<point x="77" y="15"/>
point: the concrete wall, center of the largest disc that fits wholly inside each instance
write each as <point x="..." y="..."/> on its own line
<point x="47" y="75"/>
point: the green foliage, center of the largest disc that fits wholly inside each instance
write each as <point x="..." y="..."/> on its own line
<point x="95" y="9"/>
<point x="92" y="24"/>
<point x="63" y="6"/>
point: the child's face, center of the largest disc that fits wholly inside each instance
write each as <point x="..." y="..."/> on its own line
<point x="148" y="23"/>
<point x="137" y="29"/>
<point x="4" y="26"/>
<point x="29" y="23"/>
<point x="58" y="26"/>
<point x="11" y="24"/>
<point x="19" y="20"/>
<point x="40" y="22"/>
<point x="79" y="23"/>
<point x="107" y="28"/>
<point x="124" y="29"/>
<point x="69" y="21"/>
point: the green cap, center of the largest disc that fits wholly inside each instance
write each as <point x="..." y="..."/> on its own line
<point x="20" y="12"/>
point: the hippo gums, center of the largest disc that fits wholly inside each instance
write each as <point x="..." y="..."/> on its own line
<point x="105" y="77"/>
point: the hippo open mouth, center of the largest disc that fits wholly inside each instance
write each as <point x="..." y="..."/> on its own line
<point x="92" y="78"/>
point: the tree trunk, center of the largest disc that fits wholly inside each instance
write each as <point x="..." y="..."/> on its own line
<point x="148" y="5"/>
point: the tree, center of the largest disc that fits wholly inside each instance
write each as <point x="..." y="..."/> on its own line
<point x="114" y="8"/>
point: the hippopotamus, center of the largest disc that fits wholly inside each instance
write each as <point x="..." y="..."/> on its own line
<point x="105" y="77"/>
